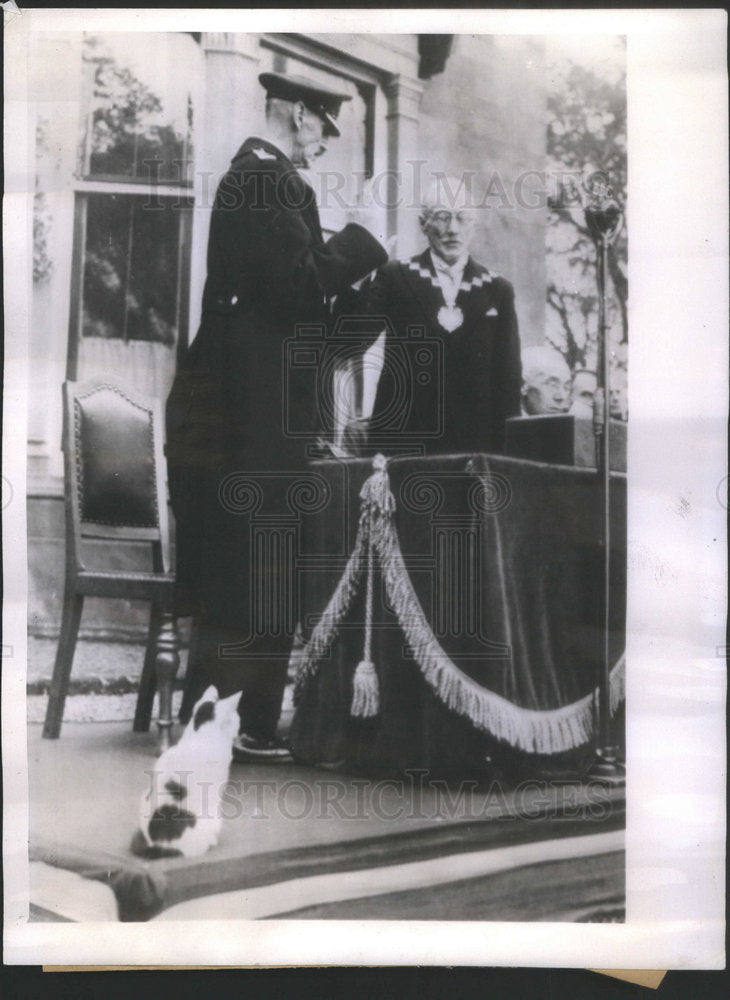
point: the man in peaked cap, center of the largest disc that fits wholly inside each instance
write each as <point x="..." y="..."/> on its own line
<point x="318" y="99"/>
<point x="233" y="460"/>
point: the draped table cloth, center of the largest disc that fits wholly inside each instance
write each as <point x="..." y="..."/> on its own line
<point x="451" y="614"/>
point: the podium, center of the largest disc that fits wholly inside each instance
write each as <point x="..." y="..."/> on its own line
<point x="563" y="439"/>
<point x="502" y="560"/>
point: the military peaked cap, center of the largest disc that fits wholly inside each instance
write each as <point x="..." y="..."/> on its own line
<point x="321" y="100"/>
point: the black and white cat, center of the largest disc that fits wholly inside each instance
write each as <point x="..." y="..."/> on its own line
<point x="180" y="812"/>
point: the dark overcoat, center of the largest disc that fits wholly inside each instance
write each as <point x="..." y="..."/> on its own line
<point x="443" y="391"/>
<point x="242" y="409"/>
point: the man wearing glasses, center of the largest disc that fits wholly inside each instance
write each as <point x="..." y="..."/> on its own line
<point x="451" y="371"/>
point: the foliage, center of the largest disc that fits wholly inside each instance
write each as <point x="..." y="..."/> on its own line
<point x="127" y="137"/>
<point x="586" y="135"/>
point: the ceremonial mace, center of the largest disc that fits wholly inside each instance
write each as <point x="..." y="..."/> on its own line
<point x="604" y="220"/>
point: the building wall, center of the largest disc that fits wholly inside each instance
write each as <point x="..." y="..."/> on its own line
<point x="485" y="113"/>
<point x="55" y="120"/>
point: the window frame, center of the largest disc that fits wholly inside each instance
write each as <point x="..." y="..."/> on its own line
<point x="83" y="171"/>
<point x="85" y="184"/>
<point x="185" y="222"/>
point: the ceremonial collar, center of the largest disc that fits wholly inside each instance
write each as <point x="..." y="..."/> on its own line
<point x="474" y="275"/>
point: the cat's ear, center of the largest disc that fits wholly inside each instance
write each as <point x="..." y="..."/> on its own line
<point x="230" y="704"/>
<point x="210" y="694"/>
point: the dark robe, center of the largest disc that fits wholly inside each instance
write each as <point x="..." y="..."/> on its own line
<point x="443" y="392"/>
<point x="242" y="408"/>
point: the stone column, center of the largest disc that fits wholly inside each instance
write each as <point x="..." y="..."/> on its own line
<point x="55" y="123"/>
<point x="404" y="168"/>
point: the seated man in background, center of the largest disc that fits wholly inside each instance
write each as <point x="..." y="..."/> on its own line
<point x="450" y="375"/>
<point x="545" y="381"/>
<point x="618" y="399"/>
<point x="582" y="392"/>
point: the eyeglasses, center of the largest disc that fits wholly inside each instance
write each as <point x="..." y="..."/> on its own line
<point x="444" y="219"/>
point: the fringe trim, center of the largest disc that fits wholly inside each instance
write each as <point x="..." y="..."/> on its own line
<point x="326" y="628"/>
<point x="617" y="685"/>
<point x="546" y="732"/>
<point x="536" y="731"/>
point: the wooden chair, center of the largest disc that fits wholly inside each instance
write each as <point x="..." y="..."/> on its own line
<point x="115" y="491"/>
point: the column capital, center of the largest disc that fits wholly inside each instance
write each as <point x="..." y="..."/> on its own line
<point x="232" y="43"/>
<point x="404" y="95"/>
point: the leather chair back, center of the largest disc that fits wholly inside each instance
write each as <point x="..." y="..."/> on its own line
<point x="114" y="465"/>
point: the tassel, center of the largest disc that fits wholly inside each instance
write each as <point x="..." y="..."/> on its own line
<point x="365" y="692"/>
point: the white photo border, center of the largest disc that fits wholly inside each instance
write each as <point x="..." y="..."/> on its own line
<point x="678" y="270"/>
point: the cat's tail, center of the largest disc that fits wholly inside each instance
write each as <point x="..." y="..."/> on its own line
<point x="144" y="849"/>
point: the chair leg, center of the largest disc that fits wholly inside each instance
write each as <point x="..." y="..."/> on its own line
<point x="186" y="706"/>
<point x="148" y="677"/>
<point x="73" y="605"/>
<point x="167" y="661"/>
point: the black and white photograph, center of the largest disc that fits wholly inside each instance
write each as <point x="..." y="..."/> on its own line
<point x="365" y="488"/>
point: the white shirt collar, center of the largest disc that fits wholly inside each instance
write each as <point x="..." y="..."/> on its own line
<point x="455" y="270"/>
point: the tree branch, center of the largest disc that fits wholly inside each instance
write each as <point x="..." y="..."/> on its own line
<point x="573" y="353"/>
<point x="565" y="215"/>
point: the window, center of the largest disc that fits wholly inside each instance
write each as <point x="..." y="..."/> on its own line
<point x="133" y="208"/>
<point x="139" y="113"/>
<point x="131" y="267"/>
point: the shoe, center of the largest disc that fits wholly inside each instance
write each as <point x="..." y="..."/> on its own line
<point x="331" y="765"/>
<point x="250" y="750"/>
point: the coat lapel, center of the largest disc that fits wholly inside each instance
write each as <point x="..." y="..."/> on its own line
<point x="420" y="277"/>
<point x="476" y="293"/>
